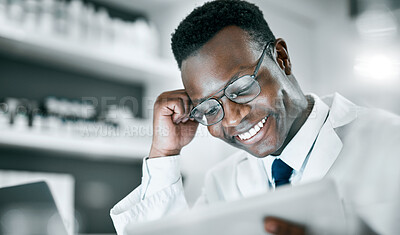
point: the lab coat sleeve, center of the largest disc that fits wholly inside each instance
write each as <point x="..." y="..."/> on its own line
<point x="160" y="194"/>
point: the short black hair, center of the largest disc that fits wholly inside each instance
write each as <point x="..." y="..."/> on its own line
<point x="206" y="21"/>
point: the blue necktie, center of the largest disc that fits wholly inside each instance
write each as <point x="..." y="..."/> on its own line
<point x="281" y="172"/>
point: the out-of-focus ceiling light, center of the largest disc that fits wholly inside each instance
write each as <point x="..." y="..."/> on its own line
<point x="378" y="67"/>
<point x="377" y="22"/>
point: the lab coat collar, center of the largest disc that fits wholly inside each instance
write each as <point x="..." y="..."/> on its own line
<point x="342" y="110"/>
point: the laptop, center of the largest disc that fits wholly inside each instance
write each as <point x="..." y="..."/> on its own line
<point x="29" y="209"/>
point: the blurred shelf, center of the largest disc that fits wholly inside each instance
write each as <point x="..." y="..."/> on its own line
<point x="119" y="148"/>
<point x="144" y="5"/>
<point x="101" y="63"/>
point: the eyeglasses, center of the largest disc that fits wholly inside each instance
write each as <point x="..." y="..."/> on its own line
<point x="242" y="90"/>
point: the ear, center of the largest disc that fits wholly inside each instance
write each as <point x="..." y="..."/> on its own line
<point x="282" y="56"/>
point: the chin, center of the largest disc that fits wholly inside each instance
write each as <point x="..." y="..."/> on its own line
<point x="266" y="149"/>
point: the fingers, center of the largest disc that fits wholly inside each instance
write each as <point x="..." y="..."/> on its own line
<point x="280" y="227"/>
<point x="175" y="104"/>
<point x="185" y="103"/>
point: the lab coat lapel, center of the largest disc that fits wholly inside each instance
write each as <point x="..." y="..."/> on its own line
<point x="251" y="178"/>
<point x="328" y="144"/>
<point x="326" y="149"/>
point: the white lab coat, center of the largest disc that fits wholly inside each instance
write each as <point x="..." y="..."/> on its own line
<point x="358" y="148"/>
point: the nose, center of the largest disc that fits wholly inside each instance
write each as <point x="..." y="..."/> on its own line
<point x="234" y="112"/>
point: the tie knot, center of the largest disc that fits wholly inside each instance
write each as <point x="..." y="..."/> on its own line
<point x="281" y="172"/>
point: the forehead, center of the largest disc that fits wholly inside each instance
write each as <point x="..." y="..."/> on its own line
<point x="228" y="54"/>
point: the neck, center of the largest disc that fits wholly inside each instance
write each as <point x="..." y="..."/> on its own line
<point x="297" y="124"/>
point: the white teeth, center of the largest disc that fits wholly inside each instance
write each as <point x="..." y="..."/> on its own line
<point x="253" y="131"/>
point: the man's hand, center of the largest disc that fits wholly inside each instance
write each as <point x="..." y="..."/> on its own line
<point x="172" y="127"/>
<point x="280" y="227"/>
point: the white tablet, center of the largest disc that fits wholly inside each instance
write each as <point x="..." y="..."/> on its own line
<point x="316" y="206"/>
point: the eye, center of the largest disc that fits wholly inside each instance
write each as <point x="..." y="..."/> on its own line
<point x="240" y="91"/>
<point x="212" y="111"/>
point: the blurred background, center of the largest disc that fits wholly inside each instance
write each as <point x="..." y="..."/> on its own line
<point x="78" y="79"/>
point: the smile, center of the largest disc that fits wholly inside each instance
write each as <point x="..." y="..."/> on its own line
<point x="253" y="131"/>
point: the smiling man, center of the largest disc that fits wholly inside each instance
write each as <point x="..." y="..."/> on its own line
<point x="239" y="83"/>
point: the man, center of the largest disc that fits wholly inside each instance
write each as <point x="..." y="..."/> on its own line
<point x="239" y="83"/>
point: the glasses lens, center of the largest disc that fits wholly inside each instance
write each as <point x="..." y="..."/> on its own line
<point x="243" y="90"/>
<point x="208" y="112"/>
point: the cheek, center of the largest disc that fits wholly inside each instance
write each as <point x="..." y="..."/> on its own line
<point x="271" y="95"/>
<point x="216" y="130"/>
<point x="267" y="104"/>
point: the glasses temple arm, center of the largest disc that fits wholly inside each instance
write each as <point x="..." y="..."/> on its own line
<point x="261" y="59"/>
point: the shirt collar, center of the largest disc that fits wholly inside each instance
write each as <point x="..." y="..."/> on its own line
<point x="298" y="148"/>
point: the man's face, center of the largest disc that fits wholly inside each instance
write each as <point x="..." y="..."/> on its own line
<point x="229" y="55"/>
